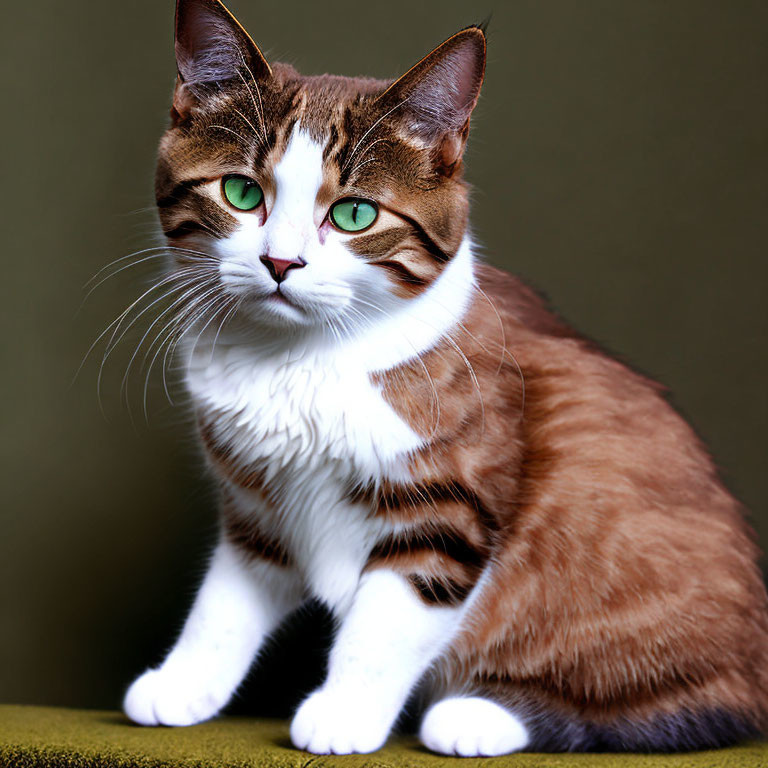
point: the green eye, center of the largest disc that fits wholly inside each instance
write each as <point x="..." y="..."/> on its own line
<point x="244" y="193"/>
<point x="354" y="214"/>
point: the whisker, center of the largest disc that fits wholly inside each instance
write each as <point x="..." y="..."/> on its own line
<point x="178" y="318"/>
<point x="148" y="250"/>
<point x="115" y="322"/>
<point x="360" y="165"/>
<point x="248" y="122"/>
<point x="363" y="137"/>
<point x="112" y="344"/>
<point x="124" y="384"/>
<point x="207" y="323"/>
<point x="365" y="151"/>
<point x="472" y="375"/>
<point x="176" y="322"/>
<point x="504" y="349"/>
<point x="178" y="301"/>
<point x="227" y="316"/>
<point x="234" y="133"/>
<point x="163" y="253"/>
<point x="190" y="278"/>
<point x="258" y="93"/>
<point x="116" y="272"/>
<point x="171" y="348"/>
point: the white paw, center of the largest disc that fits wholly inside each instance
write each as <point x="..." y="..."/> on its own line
<point x="471" y="726"/>
<point x="333" y="723"/>
<point x="160" y="697"/>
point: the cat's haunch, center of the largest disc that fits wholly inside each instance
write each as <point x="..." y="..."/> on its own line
<point x="503" y="518"/>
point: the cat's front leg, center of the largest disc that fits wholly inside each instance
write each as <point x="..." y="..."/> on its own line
<point x="384" y="645"/>
<point x="239" y="603"/>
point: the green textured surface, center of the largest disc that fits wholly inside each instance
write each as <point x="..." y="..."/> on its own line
<point x="43" y="737"/>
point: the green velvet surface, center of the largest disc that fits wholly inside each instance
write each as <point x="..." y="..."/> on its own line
<point x="44" y="737"/>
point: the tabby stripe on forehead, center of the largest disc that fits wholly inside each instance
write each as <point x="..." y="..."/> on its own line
<point x="332" y="142"/>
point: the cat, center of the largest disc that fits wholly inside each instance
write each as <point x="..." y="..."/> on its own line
<point x="506" y="522"/>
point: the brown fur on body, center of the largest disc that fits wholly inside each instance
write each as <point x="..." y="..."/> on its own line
<point x="621" y="580"/>
<point x="618" y="602"/>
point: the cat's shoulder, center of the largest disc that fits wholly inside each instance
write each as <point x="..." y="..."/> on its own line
<point x="507" y="299"/>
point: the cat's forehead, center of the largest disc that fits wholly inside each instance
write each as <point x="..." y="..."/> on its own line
<point x="332" y="109"/>
<point x="363" y="147"/>
<point x="327" y="106"/>
<point x="248" y="125"/>
<point x="325" y="96"/>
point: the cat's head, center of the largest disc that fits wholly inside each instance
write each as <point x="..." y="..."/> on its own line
<point x="317" y="201"/>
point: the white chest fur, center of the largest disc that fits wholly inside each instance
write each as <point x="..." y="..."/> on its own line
<point x="314" y="422"/>
<point x="301" y="408"/>
<point x="316" y="425"/>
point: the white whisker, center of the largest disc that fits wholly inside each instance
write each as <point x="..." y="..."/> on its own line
<point x="177" y="302"/>
<point x="234" y="133"/>
<point x="363" y="137"/>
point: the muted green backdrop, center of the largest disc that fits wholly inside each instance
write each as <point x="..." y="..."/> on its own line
<point x="620" y="162"/>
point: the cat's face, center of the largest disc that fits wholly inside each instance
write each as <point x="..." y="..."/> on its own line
<point x="313" y="201"/>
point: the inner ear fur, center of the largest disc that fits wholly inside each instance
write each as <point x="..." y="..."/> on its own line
<point x="211" y="48"/>
<point x="436" y="96"/>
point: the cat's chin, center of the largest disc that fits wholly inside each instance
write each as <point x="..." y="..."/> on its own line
<point x="278" y="311"/>
<point x="279" y="304"/>
<point x="281" y="312"/>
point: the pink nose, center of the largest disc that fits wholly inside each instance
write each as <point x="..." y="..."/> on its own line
<point x="278" y="268"/>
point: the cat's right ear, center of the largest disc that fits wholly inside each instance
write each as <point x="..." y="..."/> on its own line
<point x="211" y="48"/>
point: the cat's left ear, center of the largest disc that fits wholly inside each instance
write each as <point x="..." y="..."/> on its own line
<point x="436" y="96"/>
<point x="211" y="48"/>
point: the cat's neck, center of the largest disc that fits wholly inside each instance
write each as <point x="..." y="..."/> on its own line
<point x="389" y="340"/>
<point x="424" y="321"/>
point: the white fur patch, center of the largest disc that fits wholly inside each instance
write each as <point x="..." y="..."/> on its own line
<point x="387" y="641"/>
<point x="237" y="606"/>
<point x="470" y="726"/>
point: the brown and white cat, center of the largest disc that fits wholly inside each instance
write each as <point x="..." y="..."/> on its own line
<point x="499" y="515"/>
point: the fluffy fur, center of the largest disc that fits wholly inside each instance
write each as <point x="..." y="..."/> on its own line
<point x="501" y="516"/>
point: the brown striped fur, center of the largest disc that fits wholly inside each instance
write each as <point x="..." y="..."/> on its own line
<point x="623" y="580"/>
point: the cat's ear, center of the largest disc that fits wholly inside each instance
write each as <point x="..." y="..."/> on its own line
<point x="436" y="96"/>
<point x="211" y="47"/>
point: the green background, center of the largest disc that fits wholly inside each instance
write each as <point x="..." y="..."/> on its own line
<point x="620" y="162"/>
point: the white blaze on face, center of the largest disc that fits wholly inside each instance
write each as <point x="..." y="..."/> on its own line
<point x="291" y="226"/>
<point x="315" y="293"/>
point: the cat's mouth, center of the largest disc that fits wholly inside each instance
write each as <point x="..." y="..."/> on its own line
<point x="278" y="297"/>
<point x="284" y="305"/>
